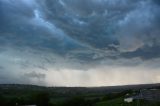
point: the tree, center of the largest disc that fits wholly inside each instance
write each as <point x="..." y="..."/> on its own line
<point x="41" y="98"/>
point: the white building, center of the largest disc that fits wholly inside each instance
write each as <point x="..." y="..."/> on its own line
<point x="128" y="100"/>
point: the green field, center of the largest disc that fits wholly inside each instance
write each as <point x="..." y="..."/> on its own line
<point x="120" y="102"/>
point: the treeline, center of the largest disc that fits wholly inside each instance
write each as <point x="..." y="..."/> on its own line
<point x="43" y="98"/>
<point x="38" y="98"/>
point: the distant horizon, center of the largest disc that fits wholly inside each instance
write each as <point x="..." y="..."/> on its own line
<point x="81" y="86"/>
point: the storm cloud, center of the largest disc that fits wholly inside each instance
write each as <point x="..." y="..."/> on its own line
<point x="69" y="42"/>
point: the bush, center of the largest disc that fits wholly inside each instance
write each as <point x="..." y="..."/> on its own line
<point x="41" y="99"/>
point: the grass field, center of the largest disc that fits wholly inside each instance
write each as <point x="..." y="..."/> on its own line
<point x="114" y="102"/>
<point x="120" y="102"/>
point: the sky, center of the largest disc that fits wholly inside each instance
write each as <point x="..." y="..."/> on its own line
<point x="79" y="42"/>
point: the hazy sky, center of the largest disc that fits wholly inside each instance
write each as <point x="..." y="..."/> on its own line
<point x="79" y="42"/>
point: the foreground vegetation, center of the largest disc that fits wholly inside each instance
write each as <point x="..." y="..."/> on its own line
<point x="18" y="95"/>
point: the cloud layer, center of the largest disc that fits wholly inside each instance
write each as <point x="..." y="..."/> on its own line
<point x="67" y="43"/>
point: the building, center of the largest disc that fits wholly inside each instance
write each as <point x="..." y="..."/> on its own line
<point x="150" y="95"/>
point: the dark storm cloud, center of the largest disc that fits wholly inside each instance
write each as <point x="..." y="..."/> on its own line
<point x="84" y="21"/>
<point x="156" y="2"/>
<point x="84" y="31"/>
<point x="144" y="53"/>
<point x="21" y="27"/>
<point x="124" y="25"/>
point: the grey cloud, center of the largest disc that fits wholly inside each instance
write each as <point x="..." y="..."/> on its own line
<point x="87" y="29"/>
<point x="35" y="75"/>
<point x="65" y="26"/>
<point x="19" y="28"/>
<point x="156" y="2"/>
<point x="145" y="53"/>
<point x="1" y="67"/>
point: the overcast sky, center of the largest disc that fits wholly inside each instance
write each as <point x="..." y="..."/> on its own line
<point x="79" y="42"/>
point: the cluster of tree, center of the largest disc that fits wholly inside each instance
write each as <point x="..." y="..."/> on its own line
<point x="42" y="98"/>
<point x="80" y="101"/>
<point x="115" y="95"/>
<point x="38" y="98"/>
